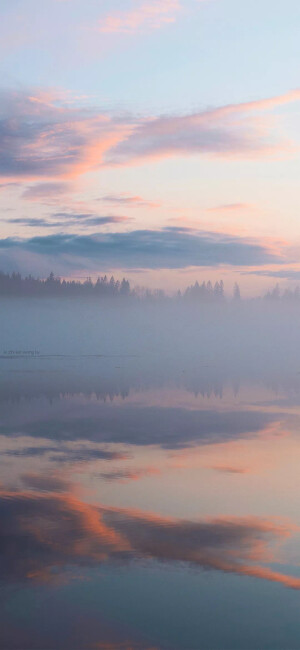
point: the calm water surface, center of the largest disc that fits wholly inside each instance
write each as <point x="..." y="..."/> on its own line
<point x="145" y="504"/>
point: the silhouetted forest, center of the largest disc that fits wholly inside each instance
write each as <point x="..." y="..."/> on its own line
<point x="14" y="285"/>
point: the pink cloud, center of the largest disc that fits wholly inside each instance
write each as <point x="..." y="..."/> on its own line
<point x="145" y="16"/>
<point x="232" y="131"/>
<point x="262" y="104"/>
<point x="44" y="136"/>
<point x="47" y="136"/>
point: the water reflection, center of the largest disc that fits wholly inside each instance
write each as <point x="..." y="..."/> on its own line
<point x="44" y="535"/>
<point x="113" y="471"/>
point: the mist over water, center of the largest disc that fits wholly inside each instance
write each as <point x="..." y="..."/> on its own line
<point x="88" y="327"/>
<point x="149" y="474"/>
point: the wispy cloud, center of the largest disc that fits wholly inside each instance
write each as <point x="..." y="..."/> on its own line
<point x="232" y="131"/>
<point x="44" y="137"/>
<point x="31" y="222"/>
<point x="68" y="220"/>
<point x="126" y="475"/>
<point x="131" y="201"/>
<point x="40" y="191"/>
<point x="285" y="273"/>
<point x="144" y="16"/>
<point x="62" y="454"/>
<point x="89" y="218"/>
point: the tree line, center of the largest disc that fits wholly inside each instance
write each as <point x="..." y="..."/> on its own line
<point x="15" y="284"/>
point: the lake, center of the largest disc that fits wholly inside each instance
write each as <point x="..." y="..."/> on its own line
<point x="149" y="495"/>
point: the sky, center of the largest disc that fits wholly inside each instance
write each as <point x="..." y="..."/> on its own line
<point x="156" y="139"/>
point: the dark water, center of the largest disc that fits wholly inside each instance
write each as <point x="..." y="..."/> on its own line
<point x="149" y="501"/>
